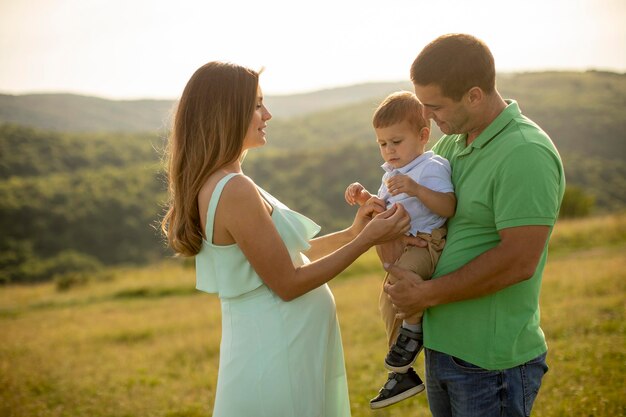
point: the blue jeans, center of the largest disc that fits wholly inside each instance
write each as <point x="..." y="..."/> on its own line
<point x="459" y="389"/>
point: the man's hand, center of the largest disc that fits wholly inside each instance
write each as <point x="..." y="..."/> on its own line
<point x="408" y="295"/>
<point x="514" y="260"/>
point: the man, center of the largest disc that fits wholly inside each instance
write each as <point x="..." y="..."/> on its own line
<point x="485" y="352"/>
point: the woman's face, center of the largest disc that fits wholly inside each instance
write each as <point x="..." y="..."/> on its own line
<point x="255" y="136"/>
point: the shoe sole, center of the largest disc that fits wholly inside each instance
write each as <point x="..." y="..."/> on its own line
<point x="401" y="369"/>
<point x="402" y="396"/>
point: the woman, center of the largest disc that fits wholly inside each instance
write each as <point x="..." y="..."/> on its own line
<point x="281" y="352"/>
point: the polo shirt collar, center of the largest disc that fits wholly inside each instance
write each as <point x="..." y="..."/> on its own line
<point x="403" y="170"/>
<point x="510" y="112"/>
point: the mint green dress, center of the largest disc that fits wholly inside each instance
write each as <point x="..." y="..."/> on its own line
<point x="277" y="358"/>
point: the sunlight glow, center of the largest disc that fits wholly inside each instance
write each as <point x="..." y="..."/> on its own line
<point x="149" y="48"/>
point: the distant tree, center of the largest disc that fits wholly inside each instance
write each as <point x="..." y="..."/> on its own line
<point x="576" y="203"/>
<point x="70" y="200"/>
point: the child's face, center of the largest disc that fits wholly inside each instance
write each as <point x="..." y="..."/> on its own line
<point x="399" y="144"/>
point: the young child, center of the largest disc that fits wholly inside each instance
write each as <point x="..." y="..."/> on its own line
<point x="420" y="181"/>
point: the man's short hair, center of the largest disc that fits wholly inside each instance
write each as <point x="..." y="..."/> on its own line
<point x="455" y="63"/>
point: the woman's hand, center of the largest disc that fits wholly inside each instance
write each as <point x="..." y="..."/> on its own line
<point x="324" y="245"/>
<point x="364" y="215"/>
<point x="386" y="226"/>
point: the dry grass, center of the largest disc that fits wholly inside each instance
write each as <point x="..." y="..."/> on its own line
<point x="145" y="343"/>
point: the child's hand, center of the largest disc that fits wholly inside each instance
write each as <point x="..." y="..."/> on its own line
<point x="399" y="184"/>
<point x="357" y="194"/>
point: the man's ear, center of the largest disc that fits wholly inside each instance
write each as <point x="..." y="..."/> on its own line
<point x="475" y="95"/>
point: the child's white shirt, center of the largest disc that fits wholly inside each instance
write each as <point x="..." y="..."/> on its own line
<point x="429" y="170"/>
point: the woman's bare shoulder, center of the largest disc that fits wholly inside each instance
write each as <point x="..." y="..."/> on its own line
<point x="240" y="199"/>
<point x="239" y="190"/>
<point x="238" y="186"/>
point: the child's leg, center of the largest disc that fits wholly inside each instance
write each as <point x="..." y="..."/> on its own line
<point x="415" y="259"/>
<point x="404" y="381"/>
<point x="388" y="314"/>
<point x="420" y="261"/>
<point x="409" y="340"/>
<point x="405" y="339"/>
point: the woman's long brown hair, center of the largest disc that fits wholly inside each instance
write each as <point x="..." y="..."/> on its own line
<point x="210" y="123"/>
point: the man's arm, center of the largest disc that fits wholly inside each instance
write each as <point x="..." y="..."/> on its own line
<point x="514" y="260"/>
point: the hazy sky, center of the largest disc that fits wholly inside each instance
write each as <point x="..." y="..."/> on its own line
<point x="150" y="48"/>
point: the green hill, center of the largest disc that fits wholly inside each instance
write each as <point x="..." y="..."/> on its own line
<point x="284" y="106"/>
<point x="76" y="113"/>
<point x="582" y="112"/>
<point x="71" y="201"/>
<point x="573" y="107"/>
<point x="69" y="112"/>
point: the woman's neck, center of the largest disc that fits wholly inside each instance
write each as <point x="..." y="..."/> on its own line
<point x="232" y="168"/>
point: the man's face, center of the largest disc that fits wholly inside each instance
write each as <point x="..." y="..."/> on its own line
<point x="451" y="116"/>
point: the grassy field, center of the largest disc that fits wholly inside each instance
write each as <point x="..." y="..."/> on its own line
<point x="144" y="343"/>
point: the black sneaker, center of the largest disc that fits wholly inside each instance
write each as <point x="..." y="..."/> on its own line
<point x="397" y="388"/>
<point x="404" y="352"/>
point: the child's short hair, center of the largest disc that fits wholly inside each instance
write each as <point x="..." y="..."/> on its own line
<point x="398" y="107"/>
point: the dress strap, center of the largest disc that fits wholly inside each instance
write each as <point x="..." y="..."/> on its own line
<point x="215" y="198"/>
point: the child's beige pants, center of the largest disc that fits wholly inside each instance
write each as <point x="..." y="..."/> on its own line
<point x="422" y="261"/>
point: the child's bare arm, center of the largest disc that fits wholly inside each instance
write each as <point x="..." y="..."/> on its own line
<point x="357" y="194"/>
<point x="443" y="204"/>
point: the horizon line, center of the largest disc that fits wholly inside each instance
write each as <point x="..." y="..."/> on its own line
<point x="279" y="94"/>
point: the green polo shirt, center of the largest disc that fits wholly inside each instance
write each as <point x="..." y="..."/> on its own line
<point x="510" y="175"/>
